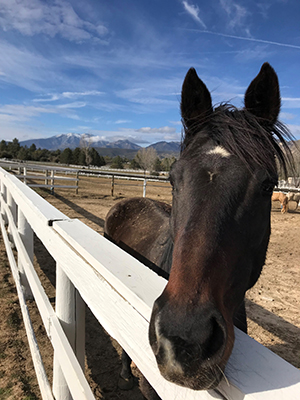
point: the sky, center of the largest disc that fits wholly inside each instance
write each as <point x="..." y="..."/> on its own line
<point x="115" y="68"/>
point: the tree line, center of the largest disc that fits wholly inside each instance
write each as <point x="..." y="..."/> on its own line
<point x="145" y="159"/>
<point x="78" y="156"/>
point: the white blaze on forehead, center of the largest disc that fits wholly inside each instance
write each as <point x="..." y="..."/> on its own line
<point x="220" y="151"/>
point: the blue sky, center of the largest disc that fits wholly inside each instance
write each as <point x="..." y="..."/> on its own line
<point x="115" y="68"/>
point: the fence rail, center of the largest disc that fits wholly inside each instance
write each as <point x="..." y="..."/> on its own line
<point x="120" y="292"/>
<point x="113" y="175"/>
<point x="27" y="176"/>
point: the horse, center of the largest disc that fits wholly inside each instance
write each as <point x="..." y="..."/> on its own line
<point x="283" y="199"/>
<point x="294" y="197"/>
<point x="211" y="244"/>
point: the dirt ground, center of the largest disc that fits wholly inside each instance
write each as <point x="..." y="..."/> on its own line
<point x="273" y="305"/>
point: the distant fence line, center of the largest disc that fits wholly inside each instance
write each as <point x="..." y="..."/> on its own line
<point x="47" y="173"/>
<point x="42" y="172"/>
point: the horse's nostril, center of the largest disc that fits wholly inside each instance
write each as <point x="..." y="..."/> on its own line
<point x="204" y="341"/>
<point x="215" y="342"/>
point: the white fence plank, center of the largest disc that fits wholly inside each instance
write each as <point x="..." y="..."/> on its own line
<point x="69" y="309"/>
<point x="36" y="210"/>
<point x="259" y="373"/>
<point x="26" y="235"/>
<point x="71" y="368"/>
<point x="41" y="185"/>
<point x="36" y="357"/>
<point x="122" y="271"/>
<point x="56" y="177"/>
<point x="65" y="311"/>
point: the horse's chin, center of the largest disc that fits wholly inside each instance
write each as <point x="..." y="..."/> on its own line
<point x="206" y="379"/>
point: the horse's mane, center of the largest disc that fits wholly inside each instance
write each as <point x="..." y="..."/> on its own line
<point x="255" y="141"/>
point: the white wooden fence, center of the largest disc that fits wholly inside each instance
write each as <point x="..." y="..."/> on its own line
<point x="38" y="172"/>
<point x="120" y="292"/>
<point x="27" y="173"/>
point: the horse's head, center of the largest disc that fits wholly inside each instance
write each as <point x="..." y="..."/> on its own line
<point x="220" y="225"/>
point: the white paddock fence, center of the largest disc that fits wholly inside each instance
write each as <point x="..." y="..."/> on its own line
<point x="121" y="176"/>
<point x="120" y="292"/>
<point x="34" y="172"/>
<point x="38" y="172"/>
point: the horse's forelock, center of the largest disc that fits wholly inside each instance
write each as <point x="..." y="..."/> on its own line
<point x="253" y="140"/>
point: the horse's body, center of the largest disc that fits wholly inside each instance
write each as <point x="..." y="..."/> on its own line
<point x="212" y="243"/>
<point x="145" y="237"/>
<point x="294" y="197"/>
<point x="283" y="200"/>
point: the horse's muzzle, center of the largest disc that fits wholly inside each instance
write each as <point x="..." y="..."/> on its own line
<point x="190" y="346"/>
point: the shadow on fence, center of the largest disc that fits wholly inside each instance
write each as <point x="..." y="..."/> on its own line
<point x="82" y="211"/>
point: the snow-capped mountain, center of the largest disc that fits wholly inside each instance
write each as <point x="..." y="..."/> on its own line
<point x="72" y="140"/>
<point x="167" y="147"/>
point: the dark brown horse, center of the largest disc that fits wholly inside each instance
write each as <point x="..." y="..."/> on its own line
<point x="213" y="241"/>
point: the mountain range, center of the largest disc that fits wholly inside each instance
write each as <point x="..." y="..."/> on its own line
<point x="73" y="140"/>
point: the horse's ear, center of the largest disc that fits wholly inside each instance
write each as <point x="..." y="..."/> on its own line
<point x="262" y="97"/>
<point x="195" y="101"/>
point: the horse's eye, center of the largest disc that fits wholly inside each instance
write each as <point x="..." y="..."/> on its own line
<point x="173" y="186"/>
<point x="268" y="187"/>
<point x="171" y="180"/>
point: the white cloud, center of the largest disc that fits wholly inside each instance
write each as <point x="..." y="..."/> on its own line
<point x="153" y="93"/>
<point x="24" y="68"/>
<point x="287" y="116"/>
<point x="122" y="121"/>
<point x="75" y="104"/>
<point x="68" y="95"/>
<point x="140" y="136"/>
<point x="291" y="102"/>
<point x="31" y="70"/>
<point x="18" y="112"/>
<point x="295" y="130"/>
<point x="193" y="10"/>
<point x="236" y="14"/>
<point x="249" y="39"/>
<point x="179" y="123"/>
<point x="21" y="115"/>
<point x="256" y="52"/>
<point x="20" y="121"/>
<point x="32" y="17"/>
<point x="163" y="130"/>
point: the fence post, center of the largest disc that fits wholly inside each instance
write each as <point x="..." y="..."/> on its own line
<point x="4" y="195"/>
<point x="80" y="330"/>
<point x="13" y="209"/>
<point x="52" y="181"/>
<point x="112" y="185"/>
<point x="77" y="182"/>
<point x="46" y="177"/>
<point x="144" y="187"/>
<point x="25" y="173"/>
<point x="26" y="234"/>
<point x="70" y="310"/>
